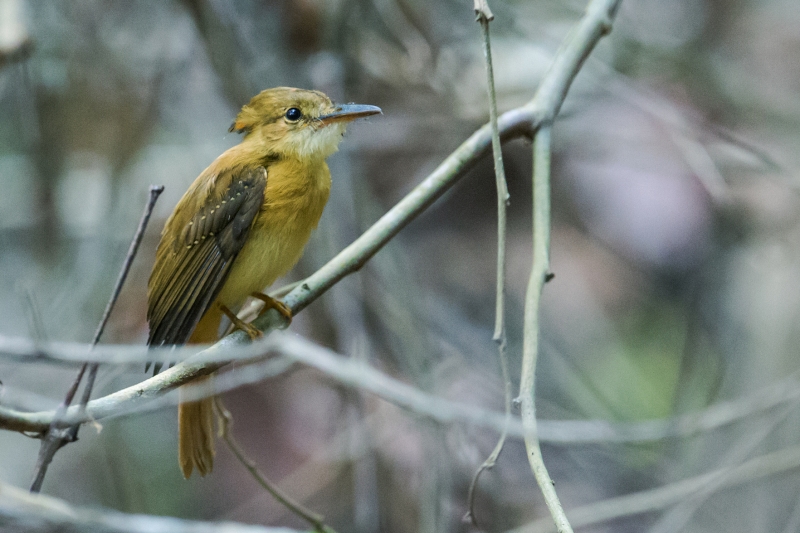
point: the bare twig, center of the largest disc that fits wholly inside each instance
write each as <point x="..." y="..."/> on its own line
<point x="56" y="437"/>
<point x="484" y="15"/>
<point x="149" y="395"/>
<point x="155" y="192"/>
<point x="595" y="24"/>
<point x="226" y="422"/>
<point x="678" y="517"/>
<point x="518" y="122"/>
<point x="37" y="513"/>
<point x="668" y="495"/>
<point x="530" y="349"/>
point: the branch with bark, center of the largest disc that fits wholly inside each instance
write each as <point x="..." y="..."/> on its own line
<point x="520" y="122"/>
<point x="525" y="121"/>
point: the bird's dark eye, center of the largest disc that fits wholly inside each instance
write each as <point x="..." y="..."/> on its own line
<point x="293" y="114"/>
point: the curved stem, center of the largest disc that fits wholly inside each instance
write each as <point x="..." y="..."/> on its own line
<point x="530" y="349"/>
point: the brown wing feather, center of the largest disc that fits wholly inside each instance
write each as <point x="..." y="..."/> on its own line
<point x="186" y="280"/>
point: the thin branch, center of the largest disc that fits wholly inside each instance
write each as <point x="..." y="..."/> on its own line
<point x="37" y="513"/>
<point x="155" y="192"/>
<point x="530" y="348"/>
<point x="56" y="437"/>
<point x="226" y="422"/>
<point x="552" y="91"/>
<point x="679" y="516"/>
<point x="484" y="16"/>
<point x="574" y="50"/>
<point x="520" y="122"/>
<point x="673" y="493"/>
<point x="149" y="395"/>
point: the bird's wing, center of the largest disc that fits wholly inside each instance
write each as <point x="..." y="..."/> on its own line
<point x="188" y="277"/>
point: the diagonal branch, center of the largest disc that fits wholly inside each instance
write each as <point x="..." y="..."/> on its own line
<point x="55" y="436"/>
<point x="519" y="122"/>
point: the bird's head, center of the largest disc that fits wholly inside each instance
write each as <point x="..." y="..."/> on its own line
<point x="297" y="122"/>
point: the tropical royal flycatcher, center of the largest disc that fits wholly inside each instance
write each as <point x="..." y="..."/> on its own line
<point x="242" y="224"/>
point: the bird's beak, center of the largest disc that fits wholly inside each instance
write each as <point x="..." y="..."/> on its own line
<point x="350" y="112"/>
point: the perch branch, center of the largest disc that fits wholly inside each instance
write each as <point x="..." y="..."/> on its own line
<point x="519" y="122"/>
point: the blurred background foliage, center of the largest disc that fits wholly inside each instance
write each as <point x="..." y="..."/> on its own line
<point x="675" y="247"/>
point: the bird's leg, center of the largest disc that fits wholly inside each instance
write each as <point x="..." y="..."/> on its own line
<point x="272" y="303"/>
<point x="252" y="331"/>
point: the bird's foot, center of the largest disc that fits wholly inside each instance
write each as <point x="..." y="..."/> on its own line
<point x="252" y="331"/>
<point x="272" y="303"/>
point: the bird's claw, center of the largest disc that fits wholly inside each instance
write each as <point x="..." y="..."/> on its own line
<point x="273" y="303"/>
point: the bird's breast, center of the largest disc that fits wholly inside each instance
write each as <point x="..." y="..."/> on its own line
<point x="294" y="199"/>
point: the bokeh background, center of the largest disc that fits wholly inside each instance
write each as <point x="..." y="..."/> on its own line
<point x="675" y="249"/>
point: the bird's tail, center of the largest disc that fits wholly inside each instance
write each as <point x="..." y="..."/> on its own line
<point x="196" y="434"/>
<point x="196" y="418"/>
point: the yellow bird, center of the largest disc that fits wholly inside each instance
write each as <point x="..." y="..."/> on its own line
<point x="242" y="224"/>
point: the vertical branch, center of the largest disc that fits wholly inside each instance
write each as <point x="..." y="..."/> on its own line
<point x="484" y="16"/>
<point x="56" y="436"/>
<point x="540" y="274"/>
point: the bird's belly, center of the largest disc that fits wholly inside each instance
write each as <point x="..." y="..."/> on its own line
<point x="271" y="251"/>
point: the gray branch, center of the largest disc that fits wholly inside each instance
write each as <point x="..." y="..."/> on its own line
<point x="522" y="121"/>
<point x="674" y="493"/>
<point x="362" y="376"/>
<point x="33" y="513"/>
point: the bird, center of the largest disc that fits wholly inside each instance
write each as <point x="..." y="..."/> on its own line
<point x="243" y="223"/>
